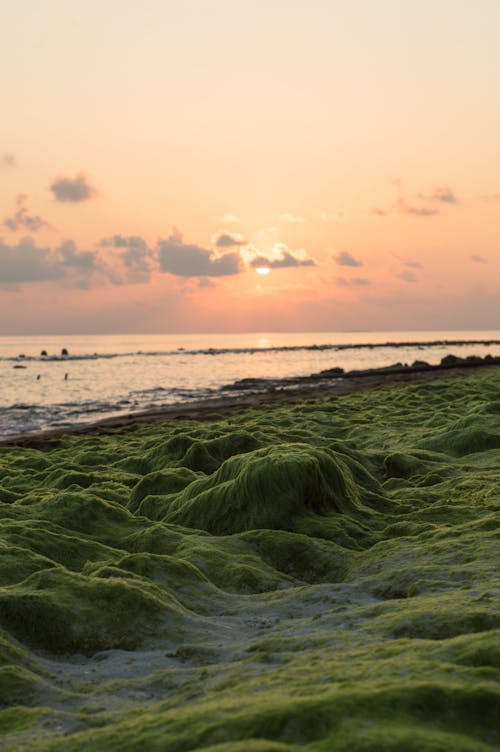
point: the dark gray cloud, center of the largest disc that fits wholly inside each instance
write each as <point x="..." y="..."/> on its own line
<point x="440" y="195"/>
<point x="24" y="262"/>
<point x="8" y="160"/>
<point x="225" y="239"/>
<point x="407" y="262"/>
<point x="134" y="254"/>
<point x="479" y="259"/>
<point x="80" y="268"/>
<point x="344" y="258"/>
<point x="281" y="257"/>
<point x="443" y="194"/>
<point x="417" y="211"/>
<point x="72" y="257"/>
<point x="353" y="282"/>
<point x="407" y="276"/>
<point x="187" y="260"/>
<point x="22" y="219"/>
<point x="72" y="190"/>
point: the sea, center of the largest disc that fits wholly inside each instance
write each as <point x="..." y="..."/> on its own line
<point x="58" y="381"/>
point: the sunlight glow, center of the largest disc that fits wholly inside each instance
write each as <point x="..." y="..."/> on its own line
<point x="263" y="270"/>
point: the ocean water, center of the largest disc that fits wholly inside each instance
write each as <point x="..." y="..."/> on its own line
<point x="104" y="375"/>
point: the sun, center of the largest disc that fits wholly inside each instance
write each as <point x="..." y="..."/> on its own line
<point x="263" y="270"/>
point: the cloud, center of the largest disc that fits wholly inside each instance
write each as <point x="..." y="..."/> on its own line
<point x="492" y="198"/>
<point x="353" y="282"/>
<point x="344" y="258"/>
<point x="292" y="218"/>
<point x="407" y="262"/>
<point x="78" y="267"/>
<point x="417" y="211"/>
<point x="8" y="160"/>
<point x="24" y="262"/>
<point x="225" y="239"/>
<point x="134" y="254"/>
<point x="72" y="190"/>
<point x="205" y="282"/>
<point x="23" y="220"/>
<point x="407" y="276"/>
<point x="71" y="257"/>
<point x="280" y="257"/>
<point x="186" y="260"/>
<point x="331" y="216"/>
<point x="478" y="259"/>
<point x="442" y="194"/>
<point x="229" y="218"/>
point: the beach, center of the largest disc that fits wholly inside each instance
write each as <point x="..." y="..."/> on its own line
<point x="312" y="569"/>
<point x="105" y="376"/>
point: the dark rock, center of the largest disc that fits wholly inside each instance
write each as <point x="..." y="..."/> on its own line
<point x="332" y="372"/>
<point x="450" y="360"/>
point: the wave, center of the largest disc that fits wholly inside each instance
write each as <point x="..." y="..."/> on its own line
<point x="214" y="351"/>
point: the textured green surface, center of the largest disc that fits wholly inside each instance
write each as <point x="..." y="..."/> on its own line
<point x="322" y="576"/>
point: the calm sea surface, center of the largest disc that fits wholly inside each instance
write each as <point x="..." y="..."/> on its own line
<point x="107" y="375"/>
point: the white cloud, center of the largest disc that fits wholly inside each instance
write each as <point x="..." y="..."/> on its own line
<point x="280" y="257"/>
<point x="292" y="218"/>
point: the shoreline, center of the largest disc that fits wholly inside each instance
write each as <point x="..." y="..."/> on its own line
<point x="332" y="382"/>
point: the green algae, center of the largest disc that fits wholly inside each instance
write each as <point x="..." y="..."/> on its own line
<point x="317" y="576"/>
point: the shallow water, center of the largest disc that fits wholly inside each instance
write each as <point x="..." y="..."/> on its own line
<point x="108" y="375"/>
<point x="322" y="576"/>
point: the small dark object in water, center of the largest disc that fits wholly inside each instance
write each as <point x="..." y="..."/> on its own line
<point x="19" y="366"/>
<point x="65" y="377"/>
<point x="64" y="351"/>
<point x="38" y="377"/>
<point x="43" y="354"/>
<point x="21" y="355"/>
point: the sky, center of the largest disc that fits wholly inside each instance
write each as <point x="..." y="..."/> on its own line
<point x="249" y="165"/>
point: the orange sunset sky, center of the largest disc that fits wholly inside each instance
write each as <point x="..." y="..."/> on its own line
<point x="154" y="155"/>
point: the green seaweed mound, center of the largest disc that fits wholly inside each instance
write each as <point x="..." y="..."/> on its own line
<point x="268" y="488"/>
<point x="317" y="576"/>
